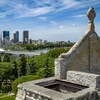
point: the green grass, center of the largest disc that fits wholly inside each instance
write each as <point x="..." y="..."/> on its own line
<point x="3" y="94"/>
<point x="8" y="98"/>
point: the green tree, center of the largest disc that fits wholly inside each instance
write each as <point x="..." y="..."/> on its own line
<point x="21" y="65"/>
<point x="40" y="60"/>
<point x="47" y="69"/>
<point x="15" y="71"/>
<point x="54" y="53"/>
<point x="0" y="58"/>
<point x="21" y="80"/>
<point x="6" y="71"/>
<point x="31" y="67"/>
<point x="6" y="58"/>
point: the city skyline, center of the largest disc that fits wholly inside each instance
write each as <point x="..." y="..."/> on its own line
<point x="50" y="20"/>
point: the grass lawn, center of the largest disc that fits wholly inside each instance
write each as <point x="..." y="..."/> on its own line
<point x="8" y="98"/>
<point x="3" y="94"/>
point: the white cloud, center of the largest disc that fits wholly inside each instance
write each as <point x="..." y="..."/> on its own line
<point x="61" y="27"/>
<point x="73" y="4"/>
<point x="73" y="25"/>
<point x="2" y="15"/>
<point x="43" y="18"/>
<point x="79" y="16"/>
<point x="3" y="2"/>
<point x="20" y="8"/>
<point x="69" y="3"/>
<point x="25" y="11"/>
<point x="53" y="22"/>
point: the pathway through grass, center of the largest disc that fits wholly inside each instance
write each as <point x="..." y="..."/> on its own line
<point x="8" y="98"/>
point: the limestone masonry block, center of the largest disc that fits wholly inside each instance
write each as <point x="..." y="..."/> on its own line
<point x="91" y="80"/>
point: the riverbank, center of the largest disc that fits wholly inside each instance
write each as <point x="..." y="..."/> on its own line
<point x="26" y="53"/>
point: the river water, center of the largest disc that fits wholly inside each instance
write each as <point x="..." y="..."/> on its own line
<point x="34" y="53"/>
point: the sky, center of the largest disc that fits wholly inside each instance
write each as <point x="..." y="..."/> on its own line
<point x="52" y="20"/>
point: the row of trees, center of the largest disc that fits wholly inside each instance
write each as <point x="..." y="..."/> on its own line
<point x="47" y="45"/>
<point x="38" y="46"/>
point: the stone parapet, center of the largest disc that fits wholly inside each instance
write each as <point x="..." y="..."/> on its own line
<point x="32" y="91"/>
<point x="87" y="79"/>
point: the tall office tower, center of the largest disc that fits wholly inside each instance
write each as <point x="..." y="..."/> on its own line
<point x="6" y="38"/>
<point x="16" y="37"/>
<point x="25" y="37"/>
<point x="0" y="39"/>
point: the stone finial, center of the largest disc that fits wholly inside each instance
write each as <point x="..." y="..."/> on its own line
<point x="91" y="15"/>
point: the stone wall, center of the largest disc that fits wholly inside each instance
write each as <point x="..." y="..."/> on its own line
<point x="86" y="79"/>
<point x="79" y="61"/>
<point x="95" y="54"/>
<point x="83" y="56"/>
<point x="32" y="91"/>
<point x="87" y="57"/>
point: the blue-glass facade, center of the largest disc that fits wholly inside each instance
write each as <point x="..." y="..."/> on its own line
<point x="25" y="37"/>
<point x="5" y="34"/>
<point x="17" y="36"/>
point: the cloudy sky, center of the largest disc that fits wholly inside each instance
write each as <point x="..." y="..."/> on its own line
<point x="51" y="20"/>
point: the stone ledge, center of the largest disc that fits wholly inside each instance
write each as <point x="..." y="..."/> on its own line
<point x="31" y="91"/>
<point x="87" y="79"/>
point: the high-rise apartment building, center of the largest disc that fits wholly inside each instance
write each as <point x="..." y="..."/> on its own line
<point x="25" y="37"/>
<point x="6" y="37"/>
<point x="16" y="36"/>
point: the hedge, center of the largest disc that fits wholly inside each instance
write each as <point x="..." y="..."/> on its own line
<point x="21" y="80"/>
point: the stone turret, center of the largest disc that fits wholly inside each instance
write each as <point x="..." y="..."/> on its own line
<point x="84" y="55"/>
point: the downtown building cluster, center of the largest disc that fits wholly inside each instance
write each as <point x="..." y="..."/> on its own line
<point x="6" y="41"/>
<point x="5" y="38"/>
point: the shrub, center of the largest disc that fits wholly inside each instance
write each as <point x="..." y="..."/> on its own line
<point x="6" y="88"/>
<point x="56" y="52"/>
<point x="6" y="58"/>
<point x="6" y="70"/>
<point x="21" y="80"/>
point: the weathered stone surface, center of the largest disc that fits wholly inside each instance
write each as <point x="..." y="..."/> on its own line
<point x="84" y="55"/>
<point x="60" y="71"/>
<point x="32" y="91"/>
<point x="91" y="80"/>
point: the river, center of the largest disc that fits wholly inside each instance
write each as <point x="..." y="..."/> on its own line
<point x="34" y="53"/>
